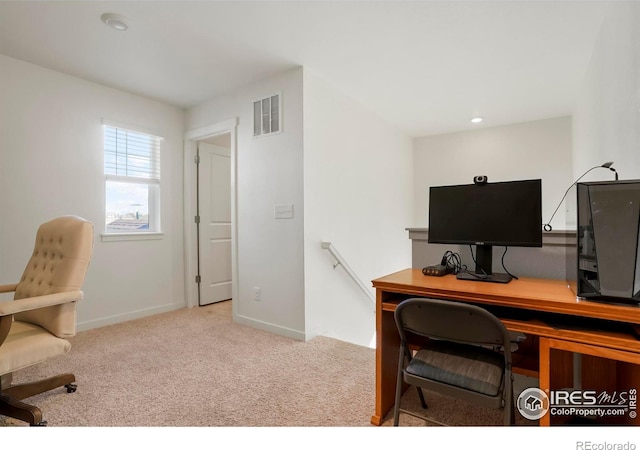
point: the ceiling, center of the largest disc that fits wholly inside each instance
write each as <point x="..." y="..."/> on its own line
<point x="426" y="67"/>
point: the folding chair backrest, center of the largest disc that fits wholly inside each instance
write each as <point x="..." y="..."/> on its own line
<point x="450" y="320"/>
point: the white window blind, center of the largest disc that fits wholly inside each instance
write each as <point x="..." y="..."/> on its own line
<point x="132" y="181"/>
<point x="131" y="154"/>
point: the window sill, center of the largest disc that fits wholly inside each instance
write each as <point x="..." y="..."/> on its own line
<point x="111" y="237"/>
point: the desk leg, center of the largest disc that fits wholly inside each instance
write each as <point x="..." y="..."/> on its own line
<point x="545" y="375"/>
<point x="387" y="349"/>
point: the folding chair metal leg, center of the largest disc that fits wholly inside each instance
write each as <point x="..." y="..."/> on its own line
<point x="422" y="400"/>
<point x="396" y="406"/>
<point x="509" y="413"/>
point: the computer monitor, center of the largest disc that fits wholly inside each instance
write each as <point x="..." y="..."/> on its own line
<point x="485" y="215"/>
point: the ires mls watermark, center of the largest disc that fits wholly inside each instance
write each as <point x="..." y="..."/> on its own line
<point x="534" y="403"/>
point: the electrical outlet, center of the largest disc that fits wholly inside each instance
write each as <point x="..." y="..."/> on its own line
<point x="257" y="294"/>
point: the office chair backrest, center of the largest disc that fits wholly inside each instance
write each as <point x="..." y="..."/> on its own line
<point x="59" y="263"/>
<point x="450" y="320"/>
<point x="60" y="258"/>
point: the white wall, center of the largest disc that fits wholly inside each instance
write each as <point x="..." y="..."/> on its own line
<point x="358" y="194"/>
<point x="606" y="120"/>
<point x="51" y="164"/>
<point x="530" y="150"/>
<point x="269" y="172"/>
<point x="521" y="151"/>
<point x="50" y="136"/>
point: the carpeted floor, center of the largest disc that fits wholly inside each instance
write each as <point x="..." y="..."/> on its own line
<point x="197" y="368"/>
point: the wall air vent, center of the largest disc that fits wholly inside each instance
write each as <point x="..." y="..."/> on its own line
<point x="267" y="115"/>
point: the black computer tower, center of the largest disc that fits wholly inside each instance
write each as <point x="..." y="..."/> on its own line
<point x="604" y="263"/>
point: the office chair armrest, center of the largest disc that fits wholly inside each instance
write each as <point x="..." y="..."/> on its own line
<point x="43" y="301"/>
<point x="7" y="288"/>
<point x="56" y="313"/>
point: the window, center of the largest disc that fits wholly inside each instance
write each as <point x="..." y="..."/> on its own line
<point x="132" y="181"/>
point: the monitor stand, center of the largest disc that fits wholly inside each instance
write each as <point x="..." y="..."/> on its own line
<point x="483" y="260"/>
<point x="493" y="278"/>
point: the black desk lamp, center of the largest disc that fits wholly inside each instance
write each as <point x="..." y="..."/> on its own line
<point x="607" y="165"/>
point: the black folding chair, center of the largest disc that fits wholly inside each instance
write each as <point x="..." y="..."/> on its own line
<point x="467" y="354"/>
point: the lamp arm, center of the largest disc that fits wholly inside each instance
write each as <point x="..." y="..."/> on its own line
<point x="607" y="165"/>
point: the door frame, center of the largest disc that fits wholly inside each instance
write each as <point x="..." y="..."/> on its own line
<point x="190" y="207"/>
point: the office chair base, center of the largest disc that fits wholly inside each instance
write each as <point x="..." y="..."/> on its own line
<point x="12" y="406"/>
<point x="26" y="390"/>
<point x="16" y="409"/>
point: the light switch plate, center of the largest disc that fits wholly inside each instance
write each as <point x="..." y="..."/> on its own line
<point x="283" y="211"/>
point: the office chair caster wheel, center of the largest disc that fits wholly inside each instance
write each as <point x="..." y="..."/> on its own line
<point x="42" y="423"/>
<point x="71" y="387"/>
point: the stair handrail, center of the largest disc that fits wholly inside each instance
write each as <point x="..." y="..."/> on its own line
<point x="340" y="261"/>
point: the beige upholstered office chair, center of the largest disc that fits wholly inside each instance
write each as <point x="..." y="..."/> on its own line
<point x="33" y="326"/>
<point x="461" y="350"/>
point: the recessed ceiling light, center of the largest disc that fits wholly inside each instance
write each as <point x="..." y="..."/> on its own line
<point x="115" y="21"/>
<point x="476" y="120"/>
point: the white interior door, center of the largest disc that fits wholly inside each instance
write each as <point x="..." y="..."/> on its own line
<point x="215" y="220"/>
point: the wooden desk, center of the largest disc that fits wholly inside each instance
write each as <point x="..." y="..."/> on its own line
<point x="536" y="307"/>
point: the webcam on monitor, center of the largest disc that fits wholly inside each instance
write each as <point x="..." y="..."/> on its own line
<point x="480" y="180"/>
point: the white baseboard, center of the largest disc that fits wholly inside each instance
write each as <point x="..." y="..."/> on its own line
<point x="265" y="326"/>
<point x="111" y="320"/>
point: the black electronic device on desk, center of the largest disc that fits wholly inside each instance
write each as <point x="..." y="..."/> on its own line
<point x="437" y="270"/>
<point x="450" y="263"/>
<point x="604" y="262"/>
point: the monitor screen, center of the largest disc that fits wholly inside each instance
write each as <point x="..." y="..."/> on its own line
<point x="484" y="215"/>
<point x="504" y="213"/>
